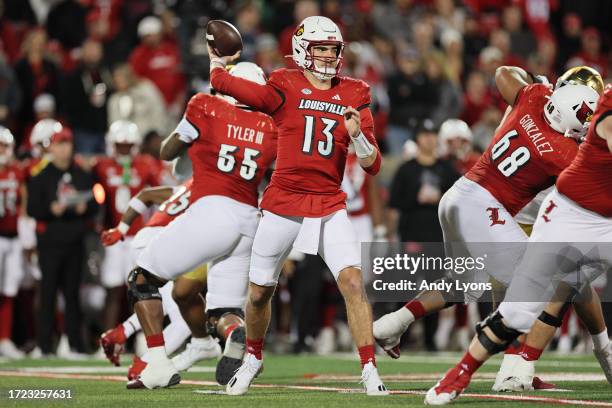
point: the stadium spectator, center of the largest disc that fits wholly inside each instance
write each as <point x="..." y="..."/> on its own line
<point x="85" y="94"/>
<point x="522" y="41"/>
<point x="423" y="37"/>
<point x="476" y="98"/>
<point x="301" y="10"/>
<point x="448" y="17"/>
<point x="449" y="97"/>
<point x="267" y="54"/>
<point x="452" y="46"/>
<point x="137" y="100"/>
<point x="569" y="39"/>
<point x="247" y="22"/>
<point x="66" y="23"/>
<point x="500" y="39"/>
<point x="36" y="74"/>
<point x="60" y="200"/>
<point x="392" y="18"/>
<point x="590" y="54"/>
<point x="10" y="92"/>
<point x="484" y="129"/>
<point x="158" y="60"/>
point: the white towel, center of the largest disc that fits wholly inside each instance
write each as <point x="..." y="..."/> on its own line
<point x="307" y="240"/>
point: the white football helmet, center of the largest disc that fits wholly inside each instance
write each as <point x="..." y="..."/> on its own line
<point x="124" y="132"/>
<point x="41" y="135"/>
<point x="248" y="71"/>
<point x="570" y="108"/>
<point x="6" y="138"/>
<point x="317" y="30"/>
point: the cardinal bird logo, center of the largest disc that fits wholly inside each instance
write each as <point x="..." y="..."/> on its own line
<point x="299" y="31"/>
<point x="494" y="216"/>
<point x="584" y="113"/>
<point x="551" y="206"/>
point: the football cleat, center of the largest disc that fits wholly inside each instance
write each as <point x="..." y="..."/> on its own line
<point x="241" y="381"/>
<point x="389" y="328"/>
<point x="518" y="378"/>
<point x="505" y="370"/>
<point x="8" y="350"/>
<point x="605" y="361"/>
<point x="326" y="341"/>
<point x="159" y="374"/>
<point x="196" y="350"/>
<point x="448" y="388"/>
<point x="136" y="368"/>
<point x="371" y="381"/>
<point x="112" y="342"/>
<point x="233" y="353"/>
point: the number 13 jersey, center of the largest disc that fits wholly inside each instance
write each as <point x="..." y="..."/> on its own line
<point x="231" y="148"/>
<point x="526" y="154"/>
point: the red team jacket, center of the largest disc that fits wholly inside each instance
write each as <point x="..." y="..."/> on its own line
<point x="172" y="207"/>
<point x="233" y="149"/>
<point x="312" y="138"/>
<point x="526" y="154"/>
<point x="12" y="176"/>
<point x="121" y="184"/>
<point x="588" y="180"/>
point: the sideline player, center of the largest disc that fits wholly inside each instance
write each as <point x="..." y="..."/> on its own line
<point x="528" y="151"/>
<point x="582" y="214"/>
<point x="318" y="113"/>
<point x="230" y="147"/>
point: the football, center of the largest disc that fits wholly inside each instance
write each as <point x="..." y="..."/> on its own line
<point x="223" y="37"/>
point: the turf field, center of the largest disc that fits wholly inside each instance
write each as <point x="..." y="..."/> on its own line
<point x="302" y="381"/>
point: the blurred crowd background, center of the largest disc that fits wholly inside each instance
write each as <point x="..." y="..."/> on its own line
<point x="89" y="63"/>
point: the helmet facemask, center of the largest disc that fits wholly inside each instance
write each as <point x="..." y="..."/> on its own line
<point x="329" y="66"/>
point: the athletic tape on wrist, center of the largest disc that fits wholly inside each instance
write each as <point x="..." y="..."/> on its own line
<point x="137" y="205"/>
<point x="363" y="147"/>
<point x="123" y="228"/>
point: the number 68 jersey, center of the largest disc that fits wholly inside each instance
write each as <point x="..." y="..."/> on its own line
<point x="231" y="149"/>
<point x="526" y="155"/>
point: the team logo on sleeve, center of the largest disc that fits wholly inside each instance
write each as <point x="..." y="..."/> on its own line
<point x="494" y="216"/>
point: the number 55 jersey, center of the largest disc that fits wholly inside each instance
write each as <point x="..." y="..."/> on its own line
<point x="526" y="154"/>
<point x="231" y="149"/>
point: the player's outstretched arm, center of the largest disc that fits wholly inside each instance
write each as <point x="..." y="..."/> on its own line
<point x="510" y="80"/>
<point x="138" y="204"/>
<point x="604" y="129"/>
<point x="264" y="98"/>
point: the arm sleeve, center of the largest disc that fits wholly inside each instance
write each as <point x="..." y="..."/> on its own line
<point x="367" y="128"/>
<point x="265" y="98"/>
<point x="39" y="203"/>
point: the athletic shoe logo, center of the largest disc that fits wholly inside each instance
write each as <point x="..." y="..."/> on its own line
<point x="336" y="97"/>
<point x="548" y="210"/>
<point x="494" y="216"/>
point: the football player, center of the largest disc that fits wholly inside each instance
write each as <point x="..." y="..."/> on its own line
<point x="11" y="257"/>
<point x="528" y="151"/>
<point x="318" y="114"/>
<point x="230" y="147"/>
<point x="122" y="174"/>
<point x="575" y="221"/>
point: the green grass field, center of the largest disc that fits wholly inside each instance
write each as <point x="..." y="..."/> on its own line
<point x="300" y="381"/>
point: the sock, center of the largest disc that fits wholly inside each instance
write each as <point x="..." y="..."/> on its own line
<point x="131" y="326"/>
<point x="155" y="340"/>
<point x="229" y="330"/>
<point x="202" y="342"/>
<point x="461" y="315"/>
<point x="601" y="340"/>
<point x="530" y="353"/>
<point x="416" y="308"/>
<point x="469" y="363"/>
<point x="6" y="317"/>
<point x="513" y="348"/>
<point x="175" y="334"/>
<point x="366" y="355"/>
<point x="255" y="347"/>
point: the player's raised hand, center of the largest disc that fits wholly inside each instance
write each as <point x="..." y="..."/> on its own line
<point x="214" y="57"/>
<point x="111" y="236"/>
<point x="352" y="121"/>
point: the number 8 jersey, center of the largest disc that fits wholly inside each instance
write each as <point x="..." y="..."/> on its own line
<point x="231" y="149"/>
<point x="526" y="155"/>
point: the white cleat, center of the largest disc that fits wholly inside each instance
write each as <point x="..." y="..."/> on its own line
<point x="326" y="341"/>
<point x="520" y="377"/>
<point x="371" y="381"/>
<point x="233" y="353"/>
<point x="8" y="349"/>
<point x="389" y="328"/>
<point x="196" y="350"/>
<point x="159" y="374"/>
<point x="241" y="381"/>
<point x="505" y="370"/>
<point x="605" y="361"/>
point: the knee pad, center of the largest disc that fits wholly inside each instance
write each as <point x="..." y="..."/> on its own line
<point x="217" y="314"/>
<point x="506" y="334"/>
<point x="143" y="291"/>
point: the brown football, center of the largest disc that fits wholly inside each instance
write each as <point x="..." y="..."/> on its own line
<point x="223" y="37"/>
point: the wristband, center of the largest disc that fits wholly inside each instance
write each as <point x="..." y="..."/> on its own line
<point x="220" y="62"/>
<point x="363" y="148"/>
<point x="137" y="205"/>
<point x="123" y="228"/>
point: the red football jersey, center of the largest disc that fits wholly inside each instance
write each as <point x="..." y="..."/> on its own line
<point x="526" y="155"/>
<point x="232" y="150"/>
<point x="121" y="183"/>
<point x="11" y="179"/>
<point x="172" y="207"/>
<point x="588" y="180"/>
<point x="312" y="138"/>
<point x="356" y="186"/>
